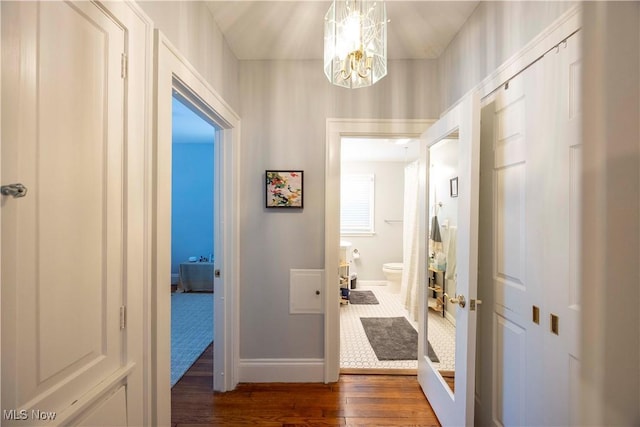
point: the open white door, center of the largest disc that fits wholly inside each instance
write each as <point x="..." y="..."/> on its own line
<point x="449" y="227"/>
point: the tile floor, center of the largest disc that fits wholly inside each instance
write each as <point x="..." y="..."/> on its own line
<point x="355" y="350"/>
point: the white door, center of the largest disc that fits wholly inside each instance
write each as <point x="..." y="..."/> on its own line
<point x="450" y="176"/>
<point x="63" y="242"/>
<point x="535" y="164"/>
<point x="562" y="172"/>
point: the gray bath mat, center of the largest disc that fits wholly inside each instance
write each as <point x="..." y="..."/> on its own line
<point x="393" y="338"/>
<point x="362" y="297"/>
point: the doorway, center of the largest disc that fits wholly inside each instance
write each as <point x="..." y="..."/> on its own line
<point x="336" y="130"/>
<point x="378" y="210"/>
<point x="192" y="236"/>
<point x="176" y="75"/>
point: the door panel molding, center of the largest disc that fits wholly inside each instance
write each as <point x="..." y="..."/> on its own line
<point x="69" y="232"/>
<point x="108" y="204"/>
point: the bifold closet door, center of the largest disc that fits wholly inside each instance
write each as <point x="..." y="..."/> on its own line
<point x="536" y="171"/>
<point x="559" y="314"/>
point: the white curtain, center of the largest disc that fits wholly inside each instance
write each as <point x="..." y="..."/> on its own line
<point x="410" y="256"/>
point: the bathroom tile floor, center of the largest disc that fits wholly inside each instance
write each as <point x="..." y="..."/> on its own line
<point x="355" y="350"/>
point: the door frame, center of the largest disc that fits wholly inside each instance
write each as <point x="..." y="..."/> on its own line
<point x="335" y="130"/>
<point x="173" y="72"/>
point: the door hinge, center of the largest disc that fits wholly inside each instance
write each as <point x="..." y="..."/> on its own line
<point x="123" y="317"/>
<point x="124" y="64"/>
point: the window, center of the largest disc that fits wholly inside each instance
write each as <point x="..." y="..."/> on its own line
<point x="356" y="204"/>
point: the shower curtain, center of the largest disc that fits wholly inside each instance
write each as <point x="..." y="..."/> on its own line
<point x="410" y="241"/>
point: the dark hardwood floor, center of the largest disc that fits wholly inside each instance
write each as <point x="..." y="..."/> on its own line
<point x="355" y="400"/>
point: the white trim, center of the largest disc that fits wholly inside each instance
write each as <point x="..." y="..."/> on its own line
<point x="138" y="146"/>
<point x="173" y="71"/>
<point x="94" y="397"/>
<point x="1" y="287"/>
<point x="281" y="370"/>
<point x="335" y="130"/>
<point x="561" y="28"/>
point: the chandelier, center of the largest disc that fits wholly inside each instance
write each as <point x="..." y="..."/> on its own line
<point x="355" y="42"/>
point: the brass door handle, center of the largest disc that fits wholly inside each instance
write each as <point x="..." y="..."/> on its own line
<point x="458" y="299"/>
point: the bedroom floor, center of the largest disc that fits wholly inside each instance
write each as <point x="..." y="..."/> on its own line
<point x="355" y="350"/>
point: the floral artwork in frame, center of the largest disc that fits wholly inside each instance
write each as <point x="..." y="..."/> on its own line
<point x="284" y="189"/>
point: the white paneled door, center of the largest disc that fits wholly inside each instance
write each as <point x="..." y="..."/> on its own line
<point x="459" y="132"/>
<point x="536" y="169"/>
<point x="63" y="242"/>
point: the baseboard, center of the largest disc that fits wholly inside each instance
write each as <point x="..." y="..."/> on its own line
<point x="450" y="318"/>
<point x="281" y="370"/>
<point x="371" y="283"/>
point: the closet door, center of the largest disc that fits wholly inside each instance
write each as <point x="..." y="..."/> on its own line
<point x="518" y="170"/>
<point x="63" y="242"/>
<point x="561" y="225"/>
<point x="536" y="182"/>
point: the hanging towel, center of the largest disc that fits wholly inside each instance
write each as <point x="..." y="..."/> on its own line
<point x="451" y="253"/>
<point x="435" y="230"/>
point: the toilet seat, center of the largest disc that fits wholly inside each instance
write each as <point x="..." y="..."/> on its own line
<point x="392" y="266"/>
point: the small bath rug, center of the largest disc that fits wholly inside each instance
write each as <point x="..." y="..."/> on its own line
<point x="191" y="330"/>
<point x="393" y="338"/>
<point x="362" y="297"/>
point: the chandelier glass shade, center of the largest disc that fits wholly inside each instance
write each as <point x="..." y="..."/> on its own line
<point x="355" y="42"/>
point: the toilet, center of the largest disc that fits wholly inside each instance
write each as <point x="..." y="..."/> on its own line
<point x="393" y="273"/>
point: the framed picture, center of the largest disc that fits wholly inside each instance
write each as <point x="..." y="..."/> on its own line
<point x="453" y="187"/>
<point x="284" y="189"/>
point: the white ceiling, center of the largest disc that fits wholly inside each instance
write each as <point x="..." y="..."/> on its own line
<point x="379" y="150"/>
<point x="262" y="30"/>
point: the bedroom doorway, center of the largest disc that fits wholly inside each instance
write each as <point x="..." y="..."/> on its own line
<point x="192" y="236"/>
<point x="174" y="74"/>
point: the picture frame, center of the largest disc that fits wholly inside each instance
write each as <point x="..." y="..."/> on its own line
<point x="453" y="187"/>
<point x="284" y="189"/>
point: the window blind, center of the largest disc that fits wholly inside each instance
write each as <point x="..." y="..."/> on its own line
<point x="356" y="204"/>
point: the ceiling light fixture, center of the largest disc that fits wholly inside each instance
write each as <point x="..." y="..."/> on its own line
<point x="355" y="42"/>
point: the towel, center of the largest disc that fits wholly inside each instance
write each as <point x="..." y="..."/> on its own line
<point x="451" y="254"/>
<point x="435" y="230"/>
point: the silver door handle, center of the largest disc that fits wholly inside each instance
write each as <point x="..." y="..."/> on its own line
<point x="15" y="190"/>
<point x="458" y="299"/>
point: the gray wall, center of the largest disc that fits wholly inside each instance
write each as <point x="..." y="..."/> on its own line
<point x="284" y="109"/>
<point x="190" y="27"/>
<point x="284" y="105"/>
<point x="386" y="244"/>
<point x="492" y="34"/>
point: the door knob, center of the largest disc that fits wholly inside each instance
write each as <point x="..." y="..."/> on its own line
<point x="15" y="190"/>
<point x="458" y="299"/>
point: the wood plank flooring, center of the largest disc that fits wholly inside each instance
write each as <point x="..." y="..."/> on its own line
<point x="355" y="400"/>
